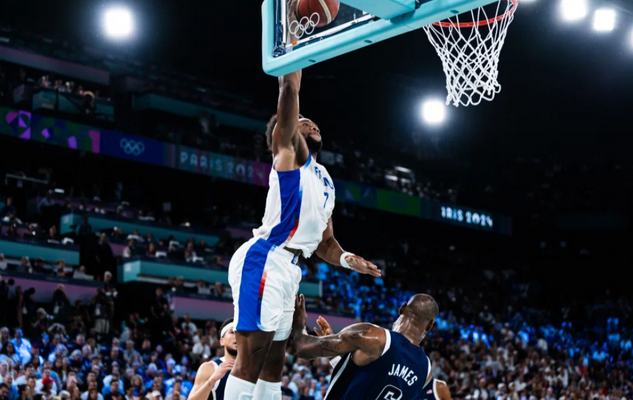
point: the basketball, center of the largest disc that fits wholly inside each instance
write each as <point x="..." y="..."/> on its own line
<point x="326" y="9"/>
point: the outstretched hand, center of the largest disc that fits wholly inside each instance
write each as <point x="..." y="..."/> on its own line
<point x="324" y="328"/>
<point x="362" y="266"/>
<point x="300" y="317"/>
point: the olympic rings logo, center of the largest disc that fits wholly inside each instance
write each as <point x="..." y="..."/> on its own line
<point x="132" y="147"/>
<point x="305" y="26"/>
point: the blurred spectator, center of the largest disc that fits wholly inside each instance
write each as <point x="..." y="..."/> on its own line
<point x="108" y="286"/>
<point x="136" y="236"/>
<point x="84" y="231"/>
<point x="61" y="304"/>
<point x="25" y="265"/>
<point x="104" y="255"/>
<point x="151" y="250"/>
<point x="88" y="103"/>
<point x="12" y="232"/>
<point x="102" y="313"/>
<point x="12" y="219"/>
<point x="46" y="203"/>
<point x="8" y="208"/>
<point x="202" y="287"/>
<point x="149" y="238"/>
<point x="53" y="236"/>
<point x="60" y="269"/>
<point x="130" y="249"/>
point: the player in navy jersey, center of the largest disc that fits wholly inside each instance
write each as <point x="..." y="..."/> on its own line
<point x="375" y="363"/>
<point x="436" y="390"/>
<point x="212" y="375"/>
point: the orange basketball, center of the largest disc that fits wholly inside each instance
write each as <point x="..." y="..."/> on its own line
<point x="326" y="9"/>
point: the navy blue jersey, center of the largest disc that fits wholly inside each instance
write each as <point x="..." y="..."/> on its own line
<point x="430" y="392"/>
<point x="399" y="374"/>
<point x="218" y="390"/>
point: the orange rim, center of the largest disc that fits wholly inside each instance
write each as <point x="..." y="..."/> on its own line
<point x="480" y="23"/>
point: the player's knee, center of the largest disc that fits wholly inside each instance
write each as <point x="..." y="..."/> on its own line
<point x="274" y="366"/>
<point x="276" y="361"/>
<point x="249" y="368"/>
<point x="251" y="359"/>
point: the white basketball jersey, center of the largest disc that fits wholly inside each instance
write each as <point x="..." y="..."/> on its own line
<point x="298" y="207"/>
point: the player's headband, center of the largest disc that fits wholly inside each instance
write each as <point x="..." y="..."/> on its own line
<point x="226" y="329"/>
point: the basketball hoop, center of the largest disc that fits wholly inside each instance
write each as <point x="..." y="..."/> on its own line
<point x="469" y="46"/>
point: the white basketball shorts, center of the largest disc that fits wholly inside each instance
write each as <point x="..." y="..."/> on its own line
<point x="264" y="279"/>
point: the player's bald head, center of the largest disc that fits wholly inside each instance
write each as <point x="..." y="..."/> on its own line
<point x="423" y="307"/>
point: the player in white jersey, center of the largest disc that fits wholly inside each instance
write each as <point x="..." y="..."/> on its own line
<point x="263" y="272"/>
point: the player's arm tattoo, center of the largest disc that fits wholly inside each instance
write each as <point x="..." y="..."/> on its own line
<point x="356" y="337"/>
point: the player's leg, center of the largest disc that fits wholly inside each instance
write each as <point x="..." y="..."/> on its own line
<point x="250" y="362"/>
<point x="269" y="384"/>
<point x="258" y="307"/>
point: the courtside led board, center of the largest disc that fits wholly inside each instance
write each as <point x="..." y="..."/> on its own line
<point x="352" y="28"/>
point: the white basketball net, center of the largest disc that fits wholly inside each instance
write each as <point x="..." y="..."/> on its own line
<point x="470" y="52"/>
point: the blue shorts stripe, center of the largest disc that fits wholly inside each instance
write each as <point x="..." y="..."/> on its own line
<point x="249" y="302"/>
<point x="290" y="194"/>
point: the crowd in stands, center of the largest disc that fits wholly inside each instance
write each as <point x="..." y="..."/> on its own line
<point x="492" y="341"/>
<point x="486" y="345"/>
<point x="25" y="80"/>
<point x="204" y="132"/>
<point x="548" y="183"/>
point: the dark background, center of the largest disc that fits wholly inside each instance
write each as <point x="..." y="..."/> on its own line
<point x="566" y="89"/>
<point x="567" y="94"/>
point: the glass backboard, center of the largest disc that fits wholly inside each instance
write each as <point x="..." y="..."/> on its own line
<point x="353" y="28"/>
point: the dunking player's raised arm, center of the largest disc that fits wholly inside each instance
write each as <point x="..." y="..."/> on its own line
<point x="367" y="341"/>
<point x="330" y="251"/>
<point x="287" y="113"/>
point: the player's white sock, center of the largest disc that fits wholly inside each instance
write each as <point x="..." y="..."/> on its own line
<point x="267" y="390"/>
<point x="238" y="389"/>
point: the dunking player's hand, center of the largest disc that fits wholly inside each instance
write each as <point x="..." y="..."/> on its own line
<point x="292" y="17"/>
<point x="362" y="266"/>
<point x="330" y="251"/>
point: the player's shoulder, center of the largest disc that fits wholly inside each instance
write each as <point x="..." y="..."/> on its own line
<point x="439" y="383"/>
<point x="369" y="334"/>
<point x="207" y="367"/>
<point x="441" y="390"/>
<point x="363" y="327"/>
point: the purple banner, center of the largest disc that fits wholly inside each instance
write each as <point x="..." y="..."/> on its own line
<point x="45" y="286"/>
<point x="204" y="308"/>
<point x="33" y="127"/>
